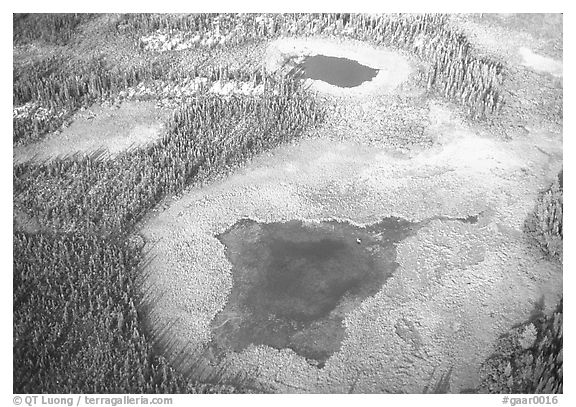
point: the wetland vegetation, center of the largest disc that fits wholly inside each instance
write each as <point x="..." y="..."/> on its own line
<point x="78" y="322"/>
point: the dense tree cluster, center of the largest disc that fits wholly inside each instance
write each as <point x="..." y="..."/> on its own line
<point x="545" y="223"/>
<point x="58" y="87"/>
<point x="76" y="324"/>
<point x="61" y="87"/>
<point x="528" y="359"/>
<point x="453" y="69"/>
<point x="204" y="136"/>
<point x="53" y="28"/>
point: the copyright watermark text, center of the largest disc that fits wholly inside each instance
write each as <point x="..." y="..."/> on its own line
<point x="90" y="400"/>
<point x="533" y="400"/>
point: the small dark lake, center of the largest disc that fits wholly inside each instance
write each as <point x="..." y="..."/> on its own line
<point x="293" y="282"/>
<point x="341" y="72"/>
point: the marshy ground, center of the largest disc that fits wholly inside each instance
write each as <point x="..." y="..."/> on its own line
<point x="380" y="250"/>
<point x="457" y="286"/>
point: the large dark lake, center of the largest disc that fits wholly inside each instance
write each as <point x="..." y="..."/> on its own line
<point x="294" y="282"/>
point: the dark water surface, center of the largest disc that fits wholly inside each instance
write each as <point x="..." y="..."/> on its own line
<point x="341" y="72"/>
<point x="294" y="282"/>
